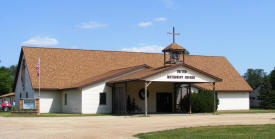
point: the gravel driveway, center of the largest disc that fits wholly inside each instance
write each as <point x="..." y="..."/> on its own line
<point x="117" y="126"/>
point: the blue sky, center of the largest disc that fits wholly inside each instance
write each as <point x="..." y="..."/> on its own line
<point x="241" y="30"/>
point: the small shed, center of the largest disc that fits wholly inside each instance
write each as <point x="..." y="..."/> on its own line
<point x="7" y="97"/>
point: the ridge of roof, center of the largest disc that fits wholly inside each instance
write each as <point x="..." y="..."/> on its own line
<point x="87" y="50"/>
<point x="40" y="47"/>
<point x="108" y="51"/>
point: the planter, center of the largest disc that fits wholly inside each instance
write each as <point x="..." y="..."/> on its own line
<point x="25" y="113"/>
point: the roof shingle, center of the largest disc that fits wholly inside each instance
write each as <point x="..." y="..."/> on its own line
<point x="64" y="68"/>
<point x="173" y="46"/>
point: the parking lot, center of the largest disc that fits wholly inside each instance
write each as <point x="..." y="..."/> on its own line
<point x="117" y="126"/>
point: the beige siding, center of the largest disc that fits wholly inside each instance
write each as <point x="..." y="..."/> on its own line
<point x="90" y="99"/>
<point x="74" y="101"/>
<point x="233" y="100"/>
<point x="50" y="101"/>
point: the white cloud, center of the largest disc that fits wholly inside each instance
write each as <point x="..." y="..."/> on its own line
<point x="170" y="4"/>
<point x="150" y="23"/>
<point x="147" y="48"/>
<point x="37" y="40"/>
<point x="91" y="25"/>
<point x="145" y="24"/>
<point x="159" y="19"/>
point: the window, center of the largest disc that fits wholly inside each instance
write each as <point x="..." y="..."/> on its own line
<point x="102" y="98"/>
<point x="20" y="95"/>
<point x="27" y="95"/>
<point x="23" y="74"/>
<point x="65" y="99"/>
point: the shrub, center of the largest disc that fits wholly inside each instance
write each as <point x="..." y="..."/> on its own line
<point x="200" y="102"/>
<point x="13" y="108"/>
<point x="132" y="107"/>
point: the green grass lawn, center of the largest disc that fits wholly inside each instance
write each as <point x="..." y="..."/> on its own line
<point x="246" y="111"/>
<point x="8" y="114"/>
<point x="215" y="132"/>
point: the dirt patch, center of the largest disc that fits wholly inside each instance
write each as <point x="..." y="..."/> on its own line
<point x="117" y="126"/>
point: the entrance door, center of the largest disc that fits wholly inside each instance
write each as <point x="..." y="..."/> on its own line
<point x="119" y="100"/>
<point x="164" y="102"/>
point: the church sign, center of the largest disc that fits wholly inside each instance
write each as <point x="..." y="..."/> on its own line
<point x="180" y="77"/>
<point x="28" y="104"/>
<point x="180" y="74"/>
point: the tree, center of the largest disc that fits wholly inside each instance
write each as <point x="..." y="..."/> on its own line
<point x="254" y="77"/>
<point x="12" y="70"/>
<point x="272" y="79"/>
<point x="267" y="95"/>
<point x="5" y="81"/>
<point x="7" y="76"/>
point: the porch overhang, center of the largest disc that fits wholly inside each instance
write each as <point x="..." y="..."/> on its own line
<point x="173" y="73"/>
<point x="181" y="73"/>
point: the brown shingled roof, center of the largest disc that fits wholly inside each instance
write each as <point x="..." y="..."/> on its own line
<point x="173" y="46"/>
<point x="64" y="68"/>
<point x="8" y="95"/>
<point x="109" y="75"/>
<point x="220" y="67"/>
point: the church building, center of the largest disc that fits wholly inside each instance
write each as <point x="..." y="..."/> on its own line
<point x="96" y="81"/>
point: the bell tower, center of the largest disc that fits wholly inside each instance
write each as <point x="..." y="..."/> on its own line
<point x="175" y="54"/>
<point x="174" y="51"/>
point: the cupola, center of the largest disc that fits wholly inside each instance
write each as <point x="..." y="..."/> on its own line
<point x="175" y="54"/>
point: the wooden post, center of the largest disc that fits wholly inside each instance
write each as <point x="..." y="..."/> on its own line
<point x="189" y="93"/>
<point x="37" y="105"/>
<point x="214" y="97"/>
<point x="21" y="105"/>
<point x="145" y="97"/>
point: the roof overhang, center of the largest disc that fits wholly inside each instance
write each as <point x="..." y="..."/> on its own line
<point x="219" y="90"/>
<point x="12" y="94"/>
<point x="108" y="76"/>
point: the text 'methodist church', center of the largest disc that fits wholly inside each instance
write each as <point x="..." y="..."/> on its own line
<point x="99" y="81"/>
